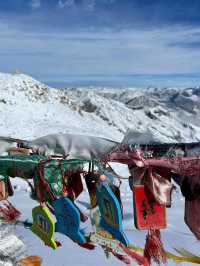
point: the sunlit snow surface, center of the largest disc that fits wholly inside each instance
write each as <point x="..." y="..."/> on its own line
<point x="176" y="235"/>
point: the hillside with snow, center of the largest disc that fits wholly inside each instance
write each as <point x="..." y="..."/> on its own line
<point x="35" y="109"/>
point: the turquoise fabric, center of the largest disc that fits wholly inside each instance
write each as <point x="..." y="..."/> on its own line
<point x="26" y="166"/>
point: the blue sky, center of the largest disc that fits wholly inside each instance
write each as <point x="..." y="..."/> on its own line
<point x="52" y="39"/>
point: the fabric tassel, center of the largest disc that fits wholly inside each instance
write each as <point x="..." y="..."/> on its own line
<point x="154" y="249"/>
<point x="122" y="258"/>
<point x="8" y="212"/>
<point x="141" y="260"/>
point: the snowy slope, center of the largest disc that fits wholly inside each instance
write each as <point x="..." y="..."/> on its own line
<point x="171" y="114"/>
<point x="31" y="109"/>
<point x="34" y="109"/>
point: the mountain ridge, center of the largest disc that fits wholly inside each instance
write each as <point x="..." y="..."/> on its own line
<point x="30" y="109"/>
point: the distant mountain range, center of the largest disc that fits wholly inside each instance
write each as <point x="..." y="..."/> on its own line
<point x="29" y="108"/>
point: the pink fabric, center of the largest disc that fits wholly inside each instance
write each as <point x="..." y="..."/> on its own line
<point x="159" y="185"/>
<point x="155" y="173"/>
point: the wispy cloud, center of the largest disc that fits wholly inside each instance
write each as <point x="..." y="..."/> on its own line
<point x="92" y="37"/>
<point x="66" y="3"/>
<point x="35" y="4"/>
<point x="99" y="14"/>
<point x="190" y="39"/>
<point x="101" y="52"/>
<point x="189" y="44"/>
<point x="89" y="5"/>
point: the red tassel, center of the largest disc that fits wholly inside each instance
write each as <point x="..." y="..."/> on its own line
<point x="122" y="258"/>
<point x="9" y="213"/>
<point x="154" y="249"/>
<point x="138" y="258"/>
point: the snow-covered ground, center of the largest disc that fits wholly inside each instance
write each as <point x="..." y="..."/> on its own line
<point x="29" y="109"/>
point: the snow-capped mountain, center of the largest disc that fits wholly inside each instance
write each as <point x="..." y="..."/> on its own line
<point x="30" y="109"/>
<point x="171" y="114"/>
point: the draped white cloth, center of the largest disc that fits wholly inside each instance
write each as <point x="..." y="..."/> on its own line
<point x="135" y="137"/>
<point x="75" y="146"/>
